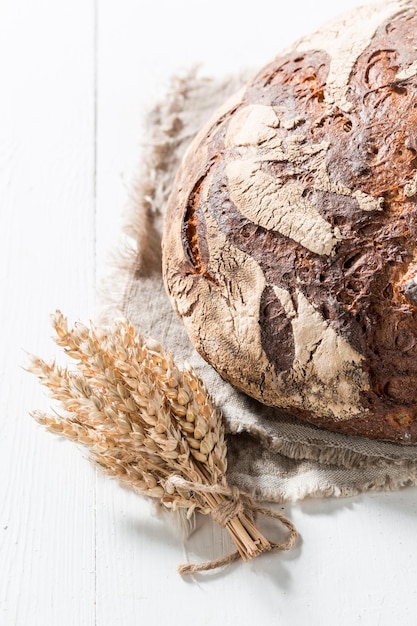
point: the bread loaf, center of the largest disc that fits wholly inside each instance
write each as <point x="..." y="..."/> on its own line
<point x="290" y="243"/>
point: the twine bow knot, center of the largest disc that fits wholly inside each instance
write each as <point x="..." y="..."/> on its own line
<point x="233" y="504"/>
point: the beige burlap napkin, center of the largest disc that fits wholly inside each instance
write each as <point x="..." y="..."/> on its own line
<point x="270" y="454"/>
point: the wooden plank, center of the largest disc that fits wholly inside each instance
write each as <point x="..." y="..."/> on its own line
<point x="47" y="514"/>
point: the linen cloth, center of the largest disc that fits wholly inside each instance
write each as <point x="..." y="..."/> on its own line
<point x="271" y="454"/>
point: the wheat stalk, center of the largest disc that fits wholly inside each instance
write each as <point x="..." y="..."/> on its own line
<point x="150" y="424"/>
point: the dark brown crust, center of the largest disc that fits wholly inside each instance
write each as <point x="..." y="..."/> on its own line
<point x="276" y="332"/>
<point x="360" y="290"/>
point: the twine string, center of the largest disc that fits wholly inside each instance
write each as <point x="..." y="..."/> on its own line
<point x="226" y="510"/>
<point x="236" y="503"/>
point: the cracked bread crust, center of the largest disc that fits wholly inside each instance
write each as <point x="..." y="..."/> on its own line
<point x="290" y="238"/>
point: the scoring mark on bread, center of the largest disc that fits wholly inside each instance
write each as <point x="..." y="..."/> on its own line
<point x="344" y="41"/>
<point x="267" y="200"/>
<point x="232" y="307"/>
<point x="325" y="357"/>
<point x="262" y="199"/>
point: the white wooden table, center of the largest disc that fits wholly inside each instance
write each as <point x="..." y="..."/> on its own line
<point x="76" y="79"/>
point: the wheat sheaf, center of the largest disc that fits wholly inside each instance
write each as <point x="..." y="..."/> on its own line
<point x="151" y="425"/>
